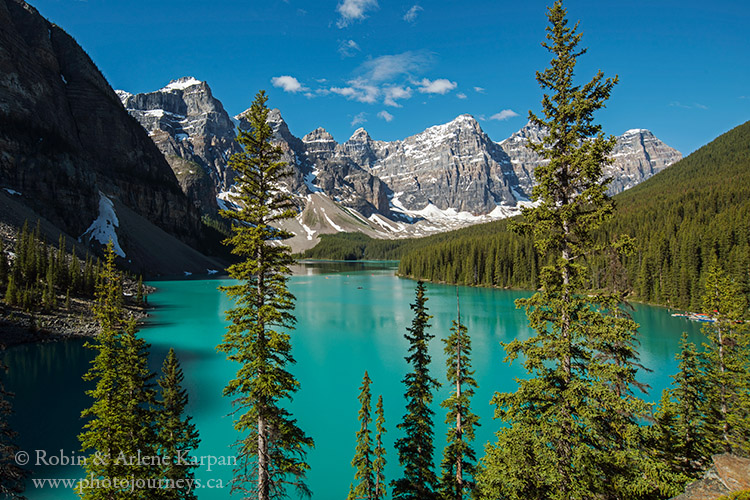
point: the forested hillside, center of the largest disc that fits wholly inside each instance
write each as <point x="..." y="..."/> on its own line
<point x="692" y="212"/>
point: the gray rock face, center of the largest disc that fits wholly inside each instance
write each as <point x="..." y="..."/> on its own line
<point x="523" y="160"/>
<point x="64" y="136"/>
<point x="341" y="177"/>
<point x="188" y="124"/>
<point x="637" y="156"/>
<point x="454" y="166"/>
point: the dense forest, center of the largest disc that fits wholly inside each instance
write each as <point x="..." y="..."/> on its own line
<point x="41" y="278"/>
<point x="681" y="219"/>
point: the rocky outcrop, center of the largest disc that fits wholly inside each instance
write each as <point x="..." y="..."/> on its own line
<point x="637" y="156"/>
<point x="455" y="165"/>
<point x="452" y="170"/>
<point x="728" y="474"/>
<point x="65" y="137"/>
<point x="341" y="177"/>
<point x="188" y="124"/>
<point x="292" y="147"/>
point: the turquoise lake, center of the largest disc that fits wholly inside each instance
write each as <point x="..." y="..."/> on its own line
<point x="350" y="318"/>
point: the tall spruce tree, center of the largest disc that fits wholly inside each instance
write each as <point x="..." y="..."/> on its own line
<point x="3" y="264"/>
<point x="726" y="376"/>
<point x="363" y="457"/>
<point x="120" y="419"/>
<point x="378" y="464"/>
<point x="176" y="435"/>
<point x="573" y="424"/>
<point x="102" y="433"/>
<point x="459" y="459"/>
<point x="678" y="434"/>
<point x="272" y="448"/>
<point x="415" y="449"/>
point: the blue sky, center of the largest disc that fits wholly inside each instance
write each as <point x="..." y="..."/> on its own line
<point x="398" y="67"/>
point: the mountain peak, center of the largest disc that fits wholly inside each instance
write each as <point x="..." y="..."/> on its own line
<point x="318" y="135"/>
<point x="464" y="118"/>
<point x="360" y="135"/>
<point x="637" y="131"/>
<point x="182" y="83"/>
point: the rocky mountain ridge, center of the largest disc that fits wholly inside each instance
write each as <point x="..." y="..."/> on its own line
<point x="447" y="176"/>
<point x="67" y="144"/>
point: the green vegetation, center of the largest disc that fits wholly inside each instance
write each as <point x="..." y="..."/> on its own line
<point x="459" y="459"/>
<point x="415" y="449"/>
<point x="271" y="449"/>
<point x="680" y="219"/>
<point x="39" y="274"/>
<point x="740" y="495"/>
<point x="363" y="457"/>
<point x="708" y="409"/>
<point x="378" y="465"/>
<point x="125" y="419"/>
<point x="573" y="425"/>
<point x="44" y="278"/>
<point x="176" y="435"/>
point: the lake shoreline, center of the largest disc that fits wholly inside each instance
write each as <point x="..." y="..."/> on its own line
<point x="21" y="327"/>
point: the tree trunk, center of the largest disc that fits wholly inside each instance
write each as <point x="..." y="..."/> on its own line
<point x="263" y="480"/>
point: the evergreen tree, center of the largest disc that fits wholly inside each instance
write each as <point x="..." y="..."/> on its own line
<point x="573" y="424"/>
<point x="459" y="458"/>
<point x="102" y="432"/>
<point x="3" y="263"/>
<point x="11" y="476"/>
<point x="727" y="369"/>
<point x="378" y="464"/>
<point x="678" y="432"/>
<point x="363" y="460"/>
<point x="139" y="296"/>
<point x="175" y="433"/>
<point x="415" y="449"/>
<point x="138" y="397"/>
<point x="271" y="452"/>
<point x="11" y="292"/>
<point x="120" y="419"/>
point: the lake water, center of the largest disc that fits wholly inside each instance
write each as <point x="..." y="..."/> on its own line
<point x="350" y="318"/>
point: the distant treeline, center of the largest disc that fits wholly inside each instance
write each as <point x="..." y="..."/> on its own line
<point x="681" y="219"/>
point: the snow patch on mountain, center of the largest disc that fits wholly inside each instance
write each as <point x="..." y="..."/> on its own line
<point x="103" y="229"/>
<point x="182" y="83"/>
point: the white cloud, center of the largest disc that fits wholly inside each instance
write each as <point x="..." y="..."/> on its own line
<point x="695" y="105"/>
<point x="385" y="115"/>
<point x="394" y="93"/>
<point x="358" y="90"/>
<point x="287" y="83"/>
<point x="503" y="115"/>
<point x="461" y="95"/>
<point x="439" y="86"/>
<point x="384" y="68"/>
<point x="479" y="89"/>
<point x="354" y="10"/>
<point x="359" y="118"/>
<point x="348" y="48"/>
<point x="411" y="14"/>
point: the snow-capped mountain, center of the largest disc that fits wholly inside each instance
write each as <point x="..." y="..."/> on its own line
<point x="74" y="160"/>
<point x="448" y="176"/>
<point x="193" y="131"/>
<point x="637" y="156"/>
